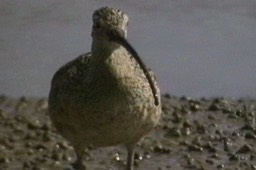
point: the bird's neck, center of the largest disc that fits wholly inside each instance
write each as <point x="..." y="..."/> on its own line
<point x="102" y="48"/>
<point x="110" y="59"/>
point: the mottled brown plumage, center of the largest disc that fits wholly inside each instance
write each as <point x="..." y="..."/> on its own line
<point x="104" y="98"/>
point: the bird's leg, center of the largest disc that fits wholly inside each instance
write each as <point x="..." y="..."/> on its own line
<point x="78" y="164"/>
<point x="130" y="156"/>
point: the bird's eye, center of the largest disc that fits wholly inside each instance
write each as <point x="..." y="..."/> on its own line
<point x="96" y="25"/>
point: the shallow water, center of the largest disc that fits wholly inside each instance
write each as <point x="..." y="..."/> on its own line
<point x="196" y="48"/>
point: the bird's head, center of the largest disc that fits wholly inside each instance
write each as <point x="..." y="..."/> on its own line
<point x="110" y="25"/>
<point x="107" y="21"/>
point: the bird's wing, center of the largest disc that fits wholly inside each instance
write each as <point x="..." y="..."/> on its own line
<point x="153" y="77"/>
<point x="72" y="71"/>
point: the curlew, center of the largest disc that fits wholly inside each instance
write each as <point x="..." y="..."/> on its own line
<point x="106" y="97"/>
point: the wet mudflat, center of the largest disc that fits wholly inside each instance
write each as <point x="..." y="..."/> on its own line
<point x="196" y="134"/>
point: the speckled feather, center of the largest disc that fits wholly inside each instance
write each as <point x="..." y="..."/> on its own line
<point x="111" y="96"/>
<point x="103" y="98"/>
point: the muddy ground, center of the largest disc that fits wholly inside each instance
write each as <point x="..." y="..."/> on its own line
<point x="194" y="134"/>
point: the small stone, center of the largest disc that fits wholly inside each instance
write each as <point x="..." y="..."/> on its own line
<point x="209" y="161"/>
<point x="57" y="156"/>
<point x="215" y="155"/>
<point x="137" y="156"/>
<point x="195" y="148"/>
<point x="221" y="166"/>
<point x="146" y="155"/>
<point x="236" y="134"/>
<point x="195" y="107"/>
<point x="210" y="147"/>
<point x="187" y="124"/>
<point x="173" y="132"/>
<point x="234" y="157"/>
<point x="40" y="147"/>
<point x="62" y="145"/>
<point x="227" y="144"/>
<point x="245" y="149"/>
<point x="186" y="131"/>
<point x="213" y="107"/>
<point x="160" y="149"/>
<point x="4" y="160"/>
<point x="253" y="167"/>
<point x="247" y="127"/>
<point x="227" y="110"/>
<point x="250" y="136"/>
<point x="34" y="126"/>
<point x="117" y="157"/>
<point x="66" y="157"/>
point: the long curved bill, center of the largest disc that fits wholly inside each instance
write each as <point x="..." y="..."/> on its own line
<point x="118" y="36"/>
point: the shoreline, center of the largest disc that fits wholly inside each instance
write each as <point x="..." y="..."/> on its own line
<point x="206" y="133"/>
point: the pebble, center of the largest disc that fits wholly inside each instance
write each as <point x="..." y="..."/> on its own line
<point x="244" y="149"/>
<point x="195" y="148"/>
<point x="161" y="149"/>
<point x="250" y="136"/>
<point x="173" y="132"/>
